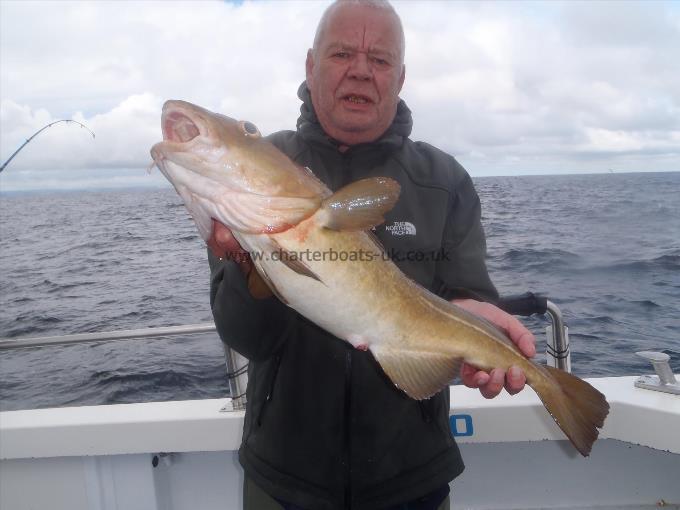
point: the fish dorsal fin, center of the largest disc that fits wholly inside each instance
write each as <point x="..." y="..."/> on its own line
<point x="418" y="373"/>
<point x="360" y="205"/>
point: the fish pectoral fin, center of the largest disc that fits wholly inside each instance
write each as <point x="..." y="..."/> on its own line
<point x="298" y="266"/>
<point x="360" y="205"/>
<point x="292" y="261"/>
<point x="419" y="374"/>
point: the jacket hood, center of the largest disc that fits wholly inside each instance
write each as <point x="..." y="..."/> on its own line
<point x="309" y="128"/>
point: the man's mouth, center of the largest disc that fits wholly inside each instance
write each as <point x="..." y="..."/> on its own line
<point x="357" y="99"/>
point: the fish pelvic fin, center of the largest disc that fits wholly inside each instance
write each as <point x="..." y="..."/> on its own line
<point x="360" y="205"/>
<point x="419" y="374"/>
<point x="577" y="408"/>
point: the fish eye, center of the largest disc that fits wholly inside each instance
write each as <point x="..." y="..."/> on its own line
<point x="250" y="129"/>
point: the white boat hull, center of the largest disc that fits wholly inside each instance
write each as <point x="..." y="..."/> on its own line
<point x="102" y="457"/>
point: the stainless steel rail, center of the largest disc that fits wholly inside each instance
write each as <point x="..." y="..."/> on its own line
<point x="557" y="351"/>
<point x="237" y="365"/>
<point x="105" y="336"/>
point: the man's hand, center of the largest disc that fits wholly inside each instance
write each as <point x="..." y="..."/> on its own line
<point x="223" y="244"/>
<point x="491" y="384"/>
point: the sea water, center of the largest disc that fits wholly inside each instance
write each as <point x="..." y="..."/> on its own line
<point x="605" y="248"/>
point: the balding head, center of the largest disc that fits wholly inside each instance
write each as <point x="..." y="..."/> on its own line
<point x="379" y="5"/>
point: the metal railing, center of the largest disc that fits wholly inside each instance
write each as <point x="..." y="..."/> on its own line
<point x="237" y="365"/>
<point x="557" y="350"/>
<point x="105" y="336"/>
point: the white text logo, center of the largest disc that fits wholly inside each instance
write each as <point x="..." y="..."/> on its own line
<point x="401" y="228"/>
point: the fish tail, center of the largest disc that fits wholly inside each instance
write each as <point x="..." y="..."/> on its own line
<point x="577" y="408"/>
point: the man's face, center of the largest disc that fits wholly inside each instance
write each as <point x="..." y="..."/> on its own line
<point x="356" y="74"/>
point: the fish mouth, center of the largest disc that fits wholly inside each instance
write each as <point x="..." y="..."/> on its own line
<point x="178" y="127"/>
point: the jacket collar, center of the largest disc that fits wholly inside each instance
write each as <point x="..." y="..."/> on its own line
<point x="309" y="128"/>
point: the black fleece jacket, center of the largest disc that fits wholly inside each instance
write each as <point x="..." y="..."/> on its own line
<point x="324" y="427"/>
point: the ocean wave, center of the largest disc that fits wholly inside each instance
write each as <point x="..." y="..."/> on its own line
<point x="140" y="314"/>
<point x="668" y="262"/>
<point x="128" y="237"/>
<point x="645" y="303"/>
<point x="30" y="324"/>
<point x="53" y="287"/>
<point x="78" y="249"/>
<point x="121" y="387"/>
<point x="552" y="259"/>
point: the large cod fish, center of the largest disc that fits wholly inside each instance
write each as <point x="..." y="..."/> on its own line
<point x="291" y="224"/>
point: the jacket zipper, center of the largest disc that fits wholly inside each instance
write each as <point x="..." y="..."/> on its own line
<point x="270" y="390"/>
<point x="347" y="430"/>
<point x="345" y="177"/>
<point x="425" y="411"/>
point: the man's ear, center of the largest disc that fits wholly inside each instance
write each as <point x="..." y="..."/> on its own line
<point x="401" y="78"/>
<point x="309" y="67"/>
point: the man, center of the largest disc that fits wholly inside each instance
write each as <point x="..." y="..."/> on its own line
<point x="324" y="428"/>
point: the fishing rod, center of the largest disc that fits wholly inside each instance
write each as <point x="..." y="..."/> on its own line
<point x="40" y="131"/>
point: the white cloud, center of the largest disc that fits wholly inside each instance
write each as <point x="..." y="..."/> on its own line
<point x="506" y="87"/>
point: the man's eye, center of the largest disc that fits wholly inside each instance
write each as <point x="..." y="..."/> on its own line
<point x="380" y="61"/>
<point x="341" y="54"/>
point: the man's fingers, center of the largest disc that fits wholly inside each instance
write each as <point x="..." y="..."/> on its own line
<point x="214" y="247"/>
<point x="472" y="377"/>
<point x="517" y="332"/>
<point x="223" y="236"/>
<point x="489" y="384"/>
<point x="514" y="380"/>
<point x="223" y="244"/>
<point x="523" y="338"/>
<point x="494" y="385"/>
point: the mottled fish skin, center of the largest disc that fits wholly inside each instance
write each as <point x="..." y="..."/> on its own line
<point x="279" y="211"/>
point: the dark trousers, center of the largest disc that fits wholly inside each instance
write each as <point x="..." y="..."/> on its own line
<point x="254" y="498"/>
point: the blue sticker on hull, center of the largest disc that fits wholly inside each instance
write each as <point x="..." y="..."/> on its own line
<point x="461" y="425"/>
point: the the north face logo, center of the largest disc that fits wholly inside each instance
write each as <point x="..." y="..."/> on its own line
<point x="401" y="228"/>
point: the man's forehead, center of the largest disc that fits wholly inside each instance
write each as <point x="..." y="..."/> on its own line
<point x="362" y="27"/>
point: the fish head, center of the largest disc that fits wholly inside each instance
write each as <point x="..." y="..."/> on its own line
<point x="224" y="169"/>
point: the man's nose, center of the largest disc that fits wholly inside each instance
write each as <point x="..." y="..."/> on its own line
<point x="360" y="68"/>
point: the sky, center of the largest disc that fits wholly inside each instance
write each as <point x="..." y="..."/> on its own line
<point x="508" y="88"/>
